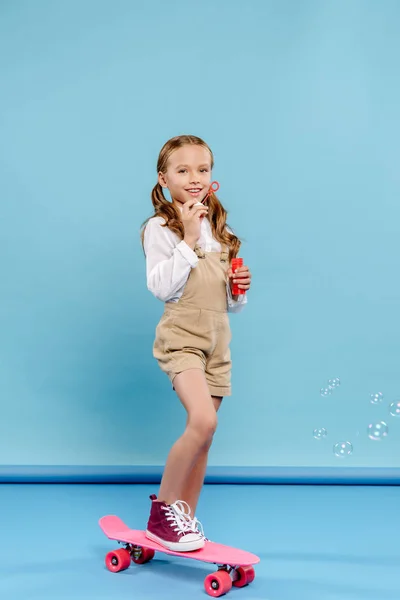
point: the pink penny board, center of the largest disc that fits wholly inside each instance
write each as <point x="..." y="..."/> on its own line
<point x="236" y="563"/>
<point x="115" y="529"/>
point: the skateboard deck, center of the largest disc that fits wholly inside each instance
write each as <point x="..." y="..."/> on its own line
<point x="234" y="565"/>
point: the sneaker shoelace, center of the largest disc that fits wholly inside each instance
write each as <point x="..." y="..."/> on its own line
<point x="198" y="527"/>
<point x="195" y="525"/>
<point x="180" y="519"/>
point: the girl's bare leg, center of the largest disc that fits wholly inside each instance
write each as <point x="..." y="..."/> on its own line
<point x="193" y="485"/>
<point x="193" y="392"/>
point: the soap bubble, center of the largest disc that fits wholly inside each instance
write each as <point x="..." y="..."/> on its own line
<point x="377" y="431"/>
<point x="325" y="391"/>
<point x="343" y="449"/>
<point x="376" y="398"/>
<point x="394" y="409"/>
<point x="334" y="383"/>
<point x="320" y="433"/>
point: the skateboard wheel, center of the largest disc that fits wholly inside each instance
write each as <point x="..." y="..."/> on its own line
<point x="143" y="556"/>
<point x="118" y="560"/>
<point x="245" y="576"/>
<point x="218" y="583"/>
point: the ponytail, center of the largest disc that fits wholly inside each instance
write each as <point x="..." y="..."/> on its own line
<point x="166" y="210"/>
<point x="157" y="197"/>
<point x="221" y="231"/>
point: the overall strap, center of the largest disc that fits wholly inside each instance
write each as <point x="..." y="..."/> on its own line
<point x="200" y="253"/>
<point x="224" y="255"/>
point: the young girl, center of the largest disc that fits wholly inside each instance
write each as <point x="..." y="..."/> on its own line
<point x="188" y="249"/>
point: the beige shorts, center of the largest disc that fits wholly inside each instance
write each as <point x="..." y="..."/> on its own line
<point x="194" y="338"/>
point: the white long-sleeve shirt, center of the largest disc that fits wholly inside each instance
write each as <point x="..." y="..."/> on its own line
<point x="169" y="261"/>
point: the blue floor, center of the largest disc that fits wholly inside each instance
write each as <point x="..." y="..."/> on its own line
<point x="315" y="542"/>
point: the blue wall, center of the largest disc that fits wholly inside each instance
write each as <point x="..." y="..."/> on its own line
<point x="299" y="101"/>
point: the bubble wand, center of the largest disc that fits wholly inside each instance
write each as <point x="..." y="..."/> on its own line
<point x="214" y="187"/>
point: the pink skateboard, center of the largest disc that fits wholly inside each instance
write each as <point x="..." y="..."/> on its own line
<point x="234" y="566"/>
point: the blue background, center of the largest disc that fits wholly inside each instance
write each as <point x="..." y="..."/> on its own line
<point x="299" y="102"/>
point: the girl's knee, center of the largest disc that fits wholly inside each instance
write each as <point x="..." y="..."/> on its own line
<point x="204" y="427"/>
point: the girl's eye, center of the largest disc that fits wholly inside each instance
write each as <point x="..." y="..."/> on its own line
<point x="184" y="170"/>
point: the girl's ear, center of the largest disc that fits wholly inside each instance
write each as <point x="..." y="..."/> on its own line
<point x="161" y="180"/>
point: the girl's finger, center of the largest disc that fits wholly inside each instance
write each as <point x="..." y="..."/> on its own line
<point x="197" y="210"/>
<point x="241" y="269"/>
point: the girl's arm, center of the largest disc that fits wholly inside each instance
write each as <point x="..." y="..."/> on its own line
<point x="168" y="260"/>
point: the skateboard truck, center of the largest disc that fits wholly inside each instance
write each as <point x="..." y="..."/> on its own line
<point x="231" y="570"/>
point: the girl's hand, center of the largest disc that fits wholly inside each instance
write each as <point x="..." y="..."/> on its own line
<point x="191" y="218"/>
<point x="242" y="276"/>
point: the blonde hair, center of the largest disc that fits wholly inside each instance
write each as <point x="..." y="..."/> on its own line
<point x="168" y="211"/>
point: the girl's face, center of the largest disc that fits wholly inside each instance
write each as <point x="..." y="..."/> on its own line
<point x="188" y="174"/>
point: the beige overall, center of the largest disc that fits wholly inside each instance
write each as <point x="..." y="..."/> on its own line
<point x="194" y="333"/>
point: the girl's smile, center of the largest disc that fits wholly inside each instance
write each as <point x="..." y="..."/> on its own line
<point x="195" y="192"/>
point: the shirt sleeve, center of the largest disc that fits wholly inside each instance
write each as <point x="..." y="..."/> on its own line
<point x="235" y="306"/>
<point x="168" y="263"/>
